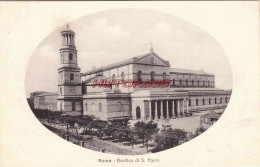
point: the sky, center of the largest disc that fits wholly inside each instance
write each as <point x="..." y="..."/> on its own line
<point x="108" y="37"/>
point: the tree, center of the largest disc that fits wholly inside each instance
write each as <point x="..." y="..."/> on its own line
<point x="199" y="131"/>
<point x="145" y="131"/>
<point x="169" y="138"/>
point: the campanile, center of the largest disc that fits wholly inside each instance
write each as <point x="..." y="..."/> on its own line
<point x="69" y="84"/>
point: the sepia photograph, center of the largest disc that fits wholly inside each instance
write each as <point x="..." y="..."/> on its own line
<point x="128" y="81"/>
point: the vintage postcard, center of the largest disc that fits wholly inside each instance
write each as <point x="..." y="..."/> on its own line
<point x="130" y="83"/>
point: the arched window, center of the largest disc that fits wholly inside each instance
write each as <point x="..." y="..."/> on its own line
<point x="138" y="112"/>
<point x="215" y="100"/>
<point x="180" y="82"/>
<point x="203" y="101"/>
<point x="164" y="76"/>
<point x="152" y="75"/>
<point x="113" y="76"/>
<point x="221" y="100"/>
<point x="60" y="91"/>
<point x="226" y="99"/>
<point x="197" y="102"/>
<point x="93" y="107"/>
<point x="71" y="77"/>
<point x="189" y="102"/>
<point x="139" y="75"/>
<point x="203" y="83"/>
<point x="192" y="83"/>
<point x="209" y="100"/>
<point x="198" y="83"/>
<point x="61" y="78"/>
<point x="122" y="75"/>
<point x="173" y="82"/>
<point x="208" y="83"/>
<point x="100" y="107"/>
<point x="187" y="82"/>
<point x="70" y="56"/>
<point x="86" y="106"/>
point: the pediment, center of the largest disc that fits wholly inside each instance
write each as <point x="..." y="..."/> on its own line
<point x="152" y="59"/>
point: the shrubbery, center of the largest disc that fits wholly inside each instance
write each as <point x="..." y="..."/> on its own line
<point x="169" y="138"/>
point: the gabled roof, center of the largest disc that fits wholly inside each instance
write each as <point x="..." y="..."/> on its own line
<point x="133" y="60"/>
<point x="185" y="71"/>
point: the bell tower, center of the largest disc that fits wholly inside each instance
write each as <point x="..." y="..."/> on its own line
<point x="69" y="85"/>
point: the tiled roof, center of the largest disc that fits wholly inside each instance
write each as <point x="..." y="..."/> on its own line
<point x="178" y="70"/>
<point x="121" y="63"/>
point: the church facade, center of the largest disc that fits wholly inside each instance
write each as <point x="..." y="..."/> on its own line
<point x="187" y="90"/>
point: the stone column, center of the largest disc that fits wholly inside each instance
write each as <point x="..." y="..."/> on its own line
<point x="178" y="107"/>
<point x="66" y="39"/>
<point x="167" y="109"/>
<point x="62" y="40"/>
<point x="173" y="114"/>
<point x="155" y="110"/>
<point x="150" y="107"/>
<point x="161" y="117"/>
<point x="187" y="106"/>
<point x="183" y="106"/>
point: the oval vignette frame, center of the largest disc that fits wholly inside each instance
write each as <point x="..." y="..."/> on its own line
<point x="116" y="44"/>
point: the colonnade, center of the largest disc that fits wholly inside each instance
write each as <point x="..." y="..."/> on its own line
<point x="68" y="39"/>
<point x="176" y="109"/>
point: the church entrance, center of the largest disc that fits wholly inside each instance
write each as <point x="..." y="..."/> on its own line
<point x="138" y="112"/>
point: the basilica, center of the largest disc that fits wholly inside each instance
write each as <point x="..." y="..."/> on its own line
<point x="188" y="91"/>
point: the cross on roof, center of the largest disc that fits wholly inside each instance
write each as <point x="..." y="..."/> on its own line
<point x="151" y="50"/>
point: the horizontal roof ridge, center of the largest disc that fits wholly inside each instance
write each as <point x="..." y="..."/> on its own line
<point x="181" y="70"/>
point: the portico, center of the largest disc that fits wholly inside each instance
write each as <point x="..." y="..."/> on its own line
<point x="159" y="105"/>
